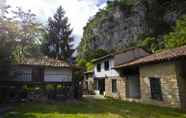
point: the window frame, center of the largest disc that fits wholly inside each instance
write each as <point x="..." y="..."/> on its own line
<point x="106" y="65"/>
<point x="114" y="86"/>
<point x="98" y="68"/>
<point x="155" y="84"/>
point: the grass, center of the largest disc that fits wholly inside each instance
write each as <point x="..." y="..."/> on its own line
<point x="92" y="109"/>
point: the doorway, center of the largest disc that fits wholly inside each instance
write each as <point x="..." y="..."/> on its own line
<point x="133" y="86"/>
<point x="100" y="86"/>
<point x="38" y="74"/>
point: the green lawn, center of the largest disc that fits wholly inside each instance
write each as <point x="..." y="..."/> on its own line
<point x="92" y="109"/>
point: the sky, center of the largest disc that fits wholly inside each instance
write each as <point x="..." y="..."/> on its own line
<point x="78" y="11"/>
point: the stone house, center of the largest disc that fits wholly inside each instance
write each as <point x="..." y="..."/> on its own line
<point x="161" y="78"/>
<point x="157" y="79"/>
<point x="106" y="78"/>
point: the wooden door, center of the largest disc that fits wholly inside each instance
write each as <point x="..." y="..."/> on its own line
<point x="37" y="74"/>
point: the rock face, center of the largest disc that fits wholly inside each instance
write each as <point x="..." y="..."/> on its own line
<point x="122" y="28"/>
<point x="122" y="25"/>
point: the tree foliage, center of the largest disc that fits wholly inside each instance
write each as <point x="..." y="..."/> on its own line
<point x="150" y="44"/>
<point x="59" y="40"/>
<point x="178" y="36"/>
<point x="89" y="56"/>
<point x="7" y="44"/>
<point x="17" y="37"/>
<point x="28" y="32"/>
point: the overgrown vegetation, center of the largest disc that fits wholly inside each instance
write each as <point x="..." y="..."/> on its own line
<point x="173" y="39"/>
<point x="176" y="38"/>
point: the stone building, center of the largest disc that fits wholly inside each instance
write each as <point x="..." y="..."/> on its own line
<point x="161" y="78"/>
<point x="157" y="79"/>
<point x="108" y="80"/>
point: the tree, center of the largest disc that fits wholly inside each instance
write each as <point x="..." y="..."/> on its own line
<point x="28" y="32"/>
<point x="7" y="44"/>
<point x="178" y="36"/>
<point x="89" y="56"/>
<point x="18" y="36"/>
<point x="59" y="42"/>
<point x="150" y="44"/>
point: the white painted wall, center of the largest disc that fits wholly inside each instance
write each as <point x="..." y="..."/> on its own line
<point x="23" y="73"/>
<point x="57" y="75"/>
<point x="110" y="73"/>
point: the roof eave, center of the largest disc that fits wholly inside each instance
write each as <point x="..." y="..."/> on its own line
<point x="149" y="62"/>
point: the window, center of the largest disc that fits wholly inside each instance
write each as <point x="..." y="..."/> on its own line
<point x="96" y="85"/>
<point x="155" y="86"/>
<point x="114" y="86"/>
<point x="106" y="65"/>
<point x="98" y="67"/>
<point x="86" y="85"/>
<point x="23" y="76"/>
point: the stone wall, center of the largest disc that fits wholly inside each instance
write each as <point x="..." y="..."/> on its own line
<point x="181" y="75"/>
<point x="108" y="87"/>
<point x="90" y="83"/>
<point x="172" y="84"/>
<point x="121" y="87"/>
<point x="166" y="71"/>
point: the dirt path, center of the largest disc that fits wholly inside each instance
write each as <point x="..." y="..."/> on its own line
<point x="100" y="97"/>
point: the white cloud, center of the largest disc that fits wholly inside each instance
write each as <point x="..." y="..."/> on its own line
<point x="78" y="11"/>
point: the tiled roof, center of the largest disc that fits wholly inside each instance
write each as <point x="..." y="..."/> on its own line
<point x="102" y="58"/>
<point x="113" y="54"/>
<point x="161" y="56"/>
<point x="43" y="62"/>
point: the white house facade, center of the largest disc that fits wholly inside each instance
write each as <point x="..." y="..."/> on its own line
<point x="105" y="69"/>
<point x="108" y="80"/>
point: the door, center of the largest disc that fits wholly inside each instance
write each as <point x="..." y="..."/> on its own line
<point x="133" y="87"/>
<point x="37" y="74"/>
<point x="102" y="86"/>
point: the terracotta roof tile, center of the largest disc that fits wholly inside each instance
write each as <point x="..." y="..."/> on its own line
<point x="161" y="56"/>
<point x="43" y="62"/>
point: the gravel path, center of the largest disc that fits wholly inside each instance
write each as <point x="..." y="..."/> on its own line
<point x="94" y="97"/>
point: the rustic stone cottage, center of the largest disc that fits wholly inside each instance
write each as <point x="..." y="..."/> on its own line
<point x="135" y="75"/>
<point x="106" y="78"/>
<point x="161" y="78"/>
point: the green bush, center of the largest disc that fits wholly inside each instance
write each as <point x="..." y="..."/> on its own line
<point x="176" y="38"/>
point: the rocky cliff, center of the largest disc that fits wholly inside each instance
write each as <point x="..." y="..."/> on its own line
<point x="119" y="25"/>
